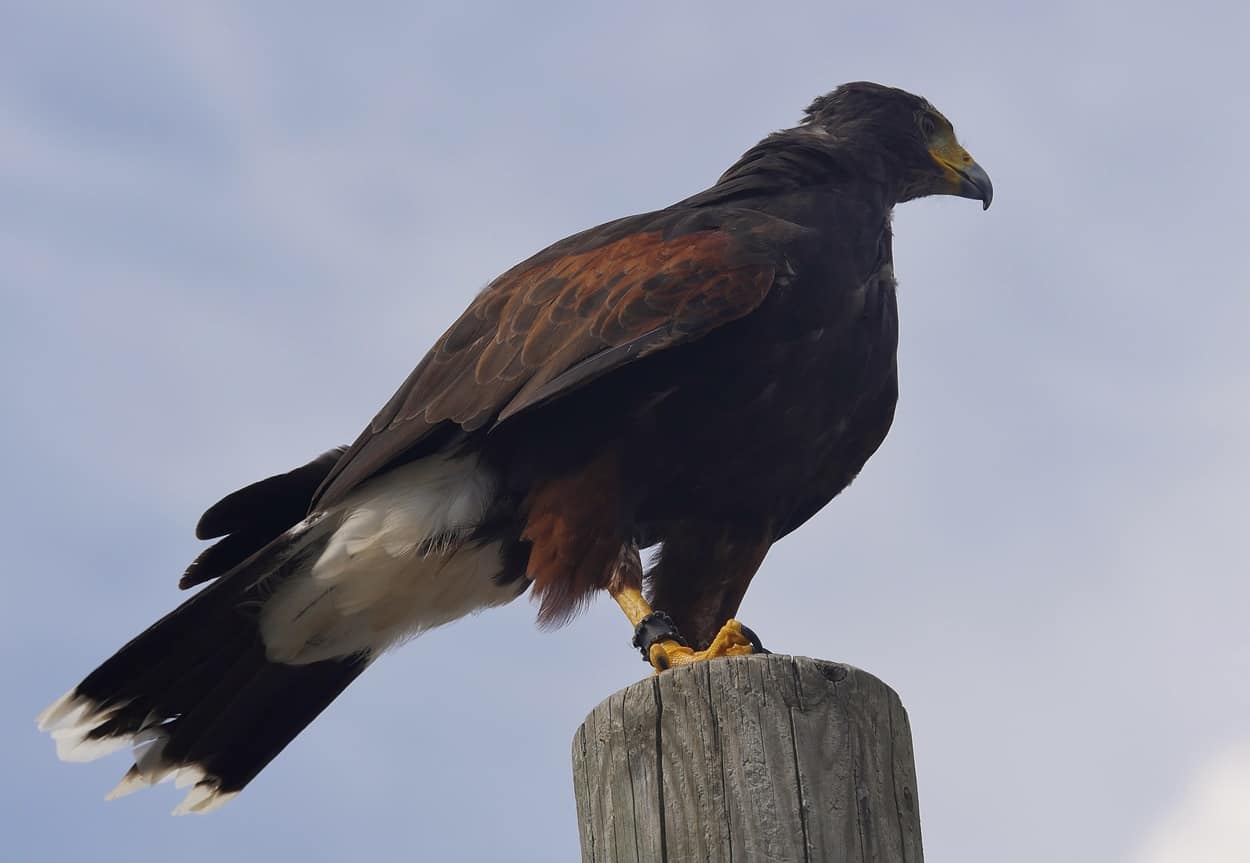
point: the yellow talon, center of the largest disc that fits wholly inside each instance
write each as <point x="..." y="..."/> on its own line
<point x="730" y="641"/>
<point x="733" y="639"/>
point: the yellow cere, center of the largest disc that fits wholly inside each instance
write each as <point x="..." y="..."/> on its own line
<point x="948" y="153"/>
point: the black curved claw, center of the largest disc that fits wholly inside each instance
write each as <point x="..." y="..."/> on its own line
<point x="757" y="646"/>
<point x="656" y="626"/>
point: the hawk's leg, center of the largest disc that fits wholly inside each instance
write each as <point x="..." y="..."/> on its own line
<point x="655" y="633"/>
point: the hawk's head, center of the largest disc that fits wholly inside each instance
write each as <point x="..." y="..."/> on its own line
<point x="911" y="137"/>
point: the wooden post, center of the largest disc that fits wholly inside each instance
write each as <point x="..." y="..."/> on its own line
<point x="758" y="758"/>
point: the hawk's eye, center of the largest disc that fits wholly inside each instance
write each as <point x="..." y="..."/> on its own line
<point x="928" y="125"/>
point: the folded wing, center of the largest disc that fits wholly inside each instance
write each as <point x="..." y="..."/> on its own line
<point x="580" y="309"/>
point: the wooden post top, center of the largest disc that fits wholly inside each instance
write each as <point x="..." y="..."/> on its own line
<point x="758" y="758"/>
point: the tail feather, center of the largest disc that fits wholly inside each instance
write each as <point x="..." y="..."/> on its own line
<point x="194" y="694"/>
<point x="297" y="607"/>
<point x="197" y="699"/>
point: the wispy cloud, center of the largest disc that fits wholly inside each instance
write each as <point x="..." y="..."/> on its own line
<point x="1210" y="822"/>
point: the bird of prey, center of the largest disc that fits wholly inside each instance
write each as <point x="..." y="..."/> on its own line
<point x="704" y="378"/>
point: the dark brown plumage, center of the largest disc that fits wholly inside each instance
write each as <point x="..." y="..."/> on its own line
<point x="704" y="377"/>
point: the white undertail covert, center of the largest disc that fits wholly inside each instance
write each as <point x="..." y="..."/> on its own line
<point x="398" y="563"/>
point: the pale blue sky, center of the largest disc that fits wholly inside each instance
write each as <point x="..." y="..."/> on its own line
<point x="227" y="234"/>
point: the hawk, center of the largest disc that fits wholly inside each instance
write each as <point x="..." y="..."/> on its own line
<point x="702" y="378"/>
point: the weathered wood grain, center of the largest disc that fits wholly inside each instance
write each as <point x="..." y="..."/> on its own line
<point x="759" y="758"/>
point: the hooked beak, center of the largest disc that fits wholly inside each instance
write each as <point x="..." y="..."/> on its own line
<point x="975" y="183"/>
<point x="962" y="175"/>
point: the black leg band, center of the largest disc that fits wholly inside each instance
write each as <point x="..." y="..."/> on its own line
<point x="656" y="626"/>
